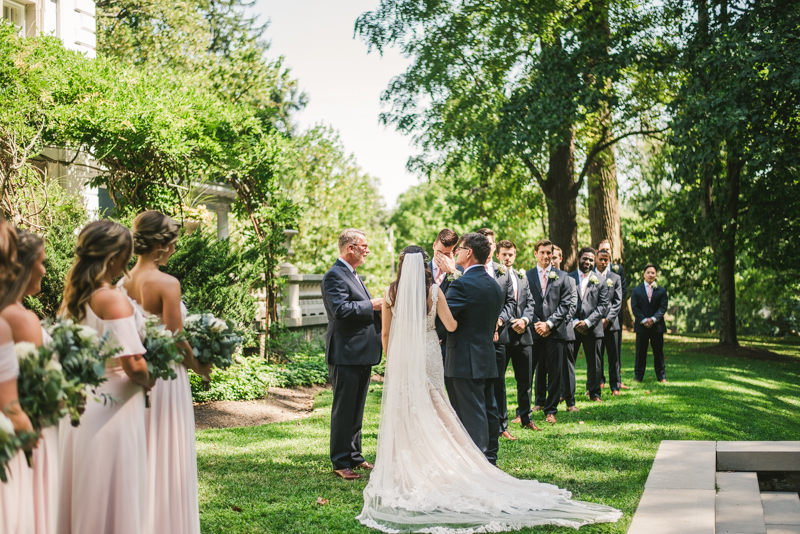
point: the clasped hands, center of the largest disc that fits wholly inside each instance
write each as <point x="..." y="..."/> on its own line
<point x="648" y="323"/>
<point x="542" y="328"/>
<point x="581" y="327"/>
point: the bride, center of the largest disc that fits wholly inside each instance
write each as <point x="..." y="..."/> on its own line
<point x="429" y="476"/>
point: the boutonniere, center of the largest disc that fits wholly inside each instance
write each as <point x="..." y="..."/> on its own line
<point x="501" y="270"/>
<point x="654" y="285"/>
<point x="594" y="280"/>
<point x="553" y="275"/>
<point x="610" y="282"/>
<point x="455" y="275"/>
<point x="615" y="268"/>
<point x="520" y="274"/>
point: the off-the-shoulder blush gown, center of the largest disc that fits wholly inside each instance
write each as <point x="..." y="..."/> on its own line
<point x="45" y="474"/>
<point x="16" y="495"/>
<point x="103" y="475"/>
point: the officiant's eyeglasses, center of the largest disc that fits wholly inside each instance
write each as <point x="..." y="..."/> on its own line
<point x="463" y="248"/>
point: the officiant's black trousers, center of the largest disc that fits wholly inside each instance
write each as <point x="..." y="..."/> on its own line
<point x="474" y="403"/>
<point x="350" y="386"/>
<point x="656" y="339"/>
<point x="521" y="360"/>
<point x="549" y="353"/>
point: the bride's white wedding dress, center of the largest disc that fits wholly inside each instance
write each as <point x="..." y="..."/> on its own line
<point x="429" y="476"/>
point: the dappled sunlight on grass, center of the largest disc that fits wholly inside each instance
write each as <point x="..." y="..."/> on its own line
<point x="274" y="473"/>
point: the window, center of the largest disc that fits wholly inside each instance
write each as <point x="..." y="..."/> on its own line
<point x="14" y="13"/>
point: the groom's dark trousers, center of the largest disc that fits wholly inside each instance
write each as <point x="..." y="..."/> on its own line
<point x="470" y="366"/>
<point x="352" y="347"/>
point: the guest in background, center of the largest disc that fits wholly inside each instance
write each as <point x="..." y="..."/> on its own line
<point x="103" y="474"/>
<point x="26" y="327"/>
<point x="499" y="274"/>
<point x="518" y="341"/>
<point x="444" y="269"/>
<point x="612" y="323"/>
<point x="649" y="302"/>
<point x="16" y="495"/>
<point x="555" y="300"/>
<point x="555" y="261"/>
<point x="593" y="302"/>
<point x="172" y="495"/>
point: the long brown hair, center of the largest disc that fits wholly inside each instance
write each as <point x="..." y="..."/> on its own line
<point x="411" y="249"/>
<point x="9" y="268"/>
<point x="29" y="248"/>
<point x="98" y="242"/>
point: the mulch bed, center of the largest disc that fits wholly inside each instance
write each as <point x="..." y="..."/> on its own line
<point x="748" y="353"/>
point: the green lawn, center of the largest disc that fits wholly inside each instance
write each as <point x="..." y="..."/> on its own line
<point x="268" y="478"/>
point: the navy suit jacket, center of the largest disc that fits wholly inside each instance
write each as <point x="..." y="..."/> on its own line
<point x="522" y="307"/>
<point x="441" y="331"/>
<point x="354" y="328"/>
<point x="557" y="305"/>
<point x="619" y="270"/>
<point x="593" y="306"/>
<point x="614" y="313"/>
<point x="476" y="302"/>
<point x="642" y="309"/>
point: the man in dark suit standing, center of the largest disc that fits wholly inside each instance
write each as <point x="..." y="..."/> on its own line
<point x="649" y="303"/>
<point x="612" y="322"/>
<point x="516" y="337"/>
<point x="470" y="367"/>
<point x="444" y="270"/>
<point x="619" y="270"/>
<point x="554" y="303"/>
<point x="593" y="301"/>
<point x="352" y="347"/>
<point x="500" y="274"/>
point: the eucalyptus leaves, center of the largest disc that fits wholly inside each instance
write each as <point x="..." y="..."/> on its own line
<point x="212" y="339"/>
<point x="162" y="352"/>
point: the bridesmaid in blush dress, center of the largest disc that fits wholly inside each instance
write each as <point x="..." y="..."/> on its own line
<point x="25" y="326"/>
<point x="172" y="500"/>
<point x="103" y="475"/>
<point x="16" y="495"/>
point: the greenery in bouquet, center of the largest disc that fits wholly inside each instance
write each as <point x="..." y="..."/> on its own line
<point x="212" y="339"/>
<point x="161" y="350"/>
<point x="82" y="354"/>
<point x="9" y="445"/>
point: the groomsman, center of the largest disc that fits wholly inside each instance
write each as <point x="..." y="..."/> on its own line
<point x="593" y="301"/>
<point x="619" y="270"/>
<point x="500" y="274"/>
<point x="554" y="303"/>
<point x="649" y="302"/>
<point x="443" y="266"/>
<point x="555" y="261"/>
<point x="517" y="339"/>
<point x="352" y="347"/>
<point x="612" y="323"/>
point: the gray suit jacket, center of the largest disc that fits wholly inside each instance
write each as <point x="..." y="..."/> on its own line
<point x="557" y="305"/>
<point x="615" y="305"/>
<point x="593" y="306"/>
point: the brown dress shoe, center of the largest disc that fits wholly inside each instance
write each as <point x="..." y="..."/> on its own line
<point x="550" y="419"/>
<point x="572" y="409"/>
<point x="663" y="380"/>
<point x="506" y="434"/>
<point x="531" y="426"/>
<point x="347" y="474"/>
<point x="537" y="408"/>
<point x="516" y="420"/>
<point x="623" y="386"/>
<point x="596" y="399"/>
<point x="365" y="465"/>
<point x="602" y="385"/>
<point x="615" y="393"/>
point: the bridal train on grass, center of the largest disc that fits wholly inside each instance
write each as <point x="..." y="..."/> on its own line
<point x="429" y="476"/>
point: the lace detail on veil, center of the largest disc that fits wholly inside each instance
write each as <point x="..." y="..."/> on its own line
<point x="429" y="476"/>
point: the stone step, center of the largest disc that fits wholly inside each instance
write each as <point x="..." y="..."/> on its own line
<point x="738" y="504"/>
<point x="781" y="510"/>
<point x="758" y="456"/>
<point x="683" y="465"/>
<point x="674" y="511"/>
<point x="783" y="529"/>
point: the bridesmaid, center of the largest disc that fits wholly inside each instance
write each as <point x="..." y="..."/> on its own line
<point x="25" y="326"/>
<point x="103" y="475"/>
<point x="16" y="495"/>
<point x="171" y="456"/>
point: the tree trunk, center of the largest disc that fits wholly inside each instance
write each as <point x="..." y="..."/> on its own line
<point x="604" y="220"/>
<point x="726" y="254"/>
<point x="560" y="192"/>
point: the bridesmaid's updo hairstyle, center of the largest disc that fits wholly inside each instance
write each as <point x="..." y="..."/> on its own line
<point x="98" y="243"/>
<point x="411" y="249"/>
<point x="29" y="248"/>
<point x="9" y="268"/>
<point x="151" y="230"/>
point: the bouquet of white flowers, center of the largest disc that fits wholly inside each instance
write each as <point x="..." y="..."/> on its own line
<point x="82" y="354"/>
<point x="9" y="445"/>
<point x="161" y="351"/>
<point x="213" y="340"/>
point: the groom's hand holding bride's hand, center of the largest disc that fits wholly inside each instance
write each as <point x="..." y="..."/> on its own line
<point x="543" y="329"/>
<point x="445" y="263"/>
<point x="377" y="304"/>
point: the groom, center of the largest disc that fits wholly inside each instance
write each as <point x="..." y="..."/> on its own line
<point x="475" y="300"/>
<point x="352" y="347"/>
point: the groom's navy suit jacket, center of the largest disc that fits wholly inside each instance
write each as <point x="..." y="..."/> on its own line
<point x="644" y="309"/>
<point x="557" y="305"/>
<point x="593" y="306"/>
<point x="441" y="331"/>
<point x="476" y="302"/>
<point x="354" y="328"/>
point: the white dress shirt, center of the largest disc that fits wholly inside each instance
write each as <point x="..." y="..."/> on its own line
<point x="583" y="282"/>
<point x="652" y="292"/>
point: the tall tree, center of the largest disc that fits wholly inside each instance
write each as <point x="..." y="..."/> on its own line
<point x="522" y="84"/>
